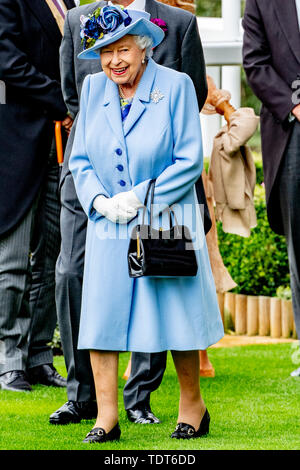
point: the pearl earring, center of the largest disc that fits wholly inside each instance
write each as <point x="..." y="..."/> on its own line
<point x="143" y="61"/>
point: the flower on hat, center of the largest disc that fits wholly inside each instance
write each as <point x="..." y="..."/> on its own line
<point x="111" y="17"/>
<point x="104" y="20"/>
<point x="161" y="23"/>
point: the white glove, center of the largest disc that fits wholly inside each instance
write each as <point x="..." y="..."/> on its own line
<point x="128" y="201"/>
<point x="110" y="208"/>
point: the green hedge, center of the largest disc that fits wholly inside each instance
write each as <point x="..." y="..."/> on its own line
<point x="258" y="264"/>
<point x="212" y="8"/>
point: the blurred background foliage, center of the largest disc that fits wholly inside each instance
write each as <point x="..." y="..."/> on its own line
<point x="211" y="7"/>
<point x="208" y="7"/>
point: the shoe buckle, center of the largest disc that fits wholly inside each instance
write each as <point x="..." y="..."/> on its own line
<point x="100" y="432"/>
<point x="191" y="431"/>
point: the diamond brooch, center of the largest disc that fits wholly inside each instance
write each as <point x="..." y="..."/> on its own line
<point x="156" y="96"/>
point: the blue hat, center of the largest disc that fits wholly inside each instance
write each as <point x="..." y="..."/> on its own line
<point x="110" y="23"/>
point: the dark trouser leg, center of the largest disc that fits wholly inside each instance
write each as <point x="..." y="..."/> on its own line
<point x="45" y="249"/>
<point x="69" y="274"/>
<point x="289" y="189"/>
<point x="147" y="371"/>
<point x="15" y="278"/>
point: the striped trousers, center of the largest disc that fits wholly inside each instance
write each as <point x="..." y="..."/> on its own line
<point x="27" y="280"/>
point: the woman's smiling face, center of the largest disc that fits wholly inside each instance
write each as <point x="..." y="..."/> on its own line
<point x="122" y="61"/>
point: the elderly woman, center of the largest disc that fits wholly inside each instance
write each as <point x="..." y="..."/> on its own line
<point x="139" y="121"/>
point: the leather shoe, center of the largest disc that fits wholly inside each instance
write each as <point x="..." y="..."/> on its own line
<point x="99" y="435"/>
<point x="46" y="374"/>
<point x="142" y="414"/>
<point x="15" y="381"/>
<point x="74" y="412"/>
<point x="186" y="431"/>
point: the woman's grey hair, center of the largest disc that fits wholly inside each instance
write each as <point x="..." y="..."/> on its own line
<point x="145" y="42"/>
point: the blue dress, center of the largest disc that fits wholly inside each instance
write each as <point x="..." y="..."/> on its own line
<point x="160" y="138"/>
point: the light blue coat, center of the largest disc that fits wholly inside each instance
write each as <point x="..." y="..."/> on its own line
<point x="159" y="140"/>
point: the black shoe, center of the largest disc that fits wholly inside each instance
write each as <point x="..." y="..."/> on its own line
<point x="46" y="374"/>
<point x="74" y="412"/>
<point x="15" y="380"/>
<point x="186" y="431"/>
<point x="99" y="435"/>
<point x="142" y="414"/>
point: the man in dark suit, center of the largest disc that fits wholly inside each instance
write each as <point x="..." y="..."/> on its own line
<point x="30" y="36"/>
<point x="271" y="56"/>
<point x="181" y="50"/>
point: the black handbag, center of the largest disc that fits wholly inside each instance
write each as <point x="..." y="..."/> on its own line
<point x="160" y="253"/>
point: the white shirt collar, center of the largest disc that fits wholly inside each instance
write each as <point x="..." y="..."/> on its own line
<point x="135" y="5"/>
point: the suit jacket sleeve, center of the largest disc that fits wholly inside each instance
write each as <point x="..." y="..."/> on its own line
<point x="266" y="83"/>
<point x="67" y="70"/>
<point x="86" y="181"/>
<point x="192" y="60"/>
<point x="16" y="70"/>
<point x="177" y="179"/>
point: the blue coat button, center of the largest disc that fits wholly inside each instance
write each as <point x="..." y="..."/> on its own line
<point x="122" y="183"/>
<point x="119" y="151"/>
<point x="120" y="167"/>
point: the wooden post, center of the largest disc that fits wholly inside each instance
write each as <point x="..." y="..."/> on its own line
<point x="229" y="310"/>
<point x="275" y="317"/>
<point x="221" y="304"/>
<point x="263" y="315"/>
<point x="241" y="314"/>
<point x="286" y="318"/>
<point x="252" y="315"/>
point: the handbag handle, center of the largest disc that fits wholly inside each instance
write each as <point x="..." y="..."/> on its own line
<point x="151" y="187"/>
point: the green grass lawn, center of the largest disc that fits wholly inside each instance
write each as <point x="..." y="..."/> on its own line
<point x="253" y="402"/>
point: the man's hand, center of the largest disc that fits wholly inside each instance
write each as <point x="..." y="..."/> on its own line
<point x="67" y="123"/>
<point x="296" y="112"/>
